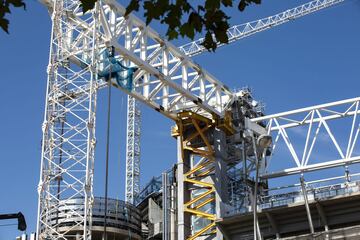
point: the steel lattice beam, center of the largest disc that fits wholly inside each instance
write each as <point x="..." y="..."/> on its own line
<point x="78" y="43"/>
<point x="315" y="120"/>
<point x="67" y="159"/>
<point x="244" y="30"/>
<point x="132" y="152"/>
<point x="235" y="33"/>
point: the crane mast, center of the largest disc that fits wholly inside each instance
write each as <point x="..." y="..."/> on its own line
<point x="133" y="141"/>
<point x="235" y="33"/>
<point x="104" y="46"/>
<point x="68" y="140"/>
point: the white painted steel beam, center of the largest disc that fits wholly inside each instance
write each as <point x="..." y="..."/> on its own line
<point x="194" y="48"/>
<point x="315" y="121"/>
<point x="311" y="168"/>
<point x="238" y="32"/>
<point x="68" y="141"/>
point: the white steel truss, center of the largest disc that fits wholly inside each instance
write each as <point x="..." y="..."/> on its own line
<point x="166" y="80"/>
<point x="133" y="151"/>
<point x="78" y="56"/>
<point x="235" y="33"/>
<point x="317" y="125"/>
<point x="174" y="84"/>
<point x="238" y="32"/>
<point x="67" y="159"/>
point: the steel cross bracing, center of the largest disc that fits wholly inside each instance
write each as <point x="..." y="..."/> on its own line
<point x="235" y="33"/>
<point x="132" y="152"/>
<point x="238" y="32"/>
<point x="79" y="42"/>
<point x="316" y="124"/>
<point x="170" y="86"/>
<point x="68" y="142"/>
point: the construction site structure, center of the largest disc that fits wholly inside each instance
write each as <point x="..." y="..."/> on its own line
<point x="123" y="219"/>
<point x="237" y="32"/>
<point x="221" y="187"/>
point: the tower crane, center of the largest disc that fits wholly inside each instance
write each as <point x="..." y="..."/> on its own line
<point x="236" y="32"/>
<point x="132" y="57"/>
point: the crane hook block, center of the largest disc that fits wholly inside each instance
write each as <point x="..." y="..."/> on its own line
<point x="112" y="68"/>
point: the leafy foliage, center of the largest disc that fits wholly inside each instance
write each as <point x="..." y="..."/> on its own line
<point x="182" y="17"/>
<point x="87" y="4"/>
<point x="5" y="6"/>
<point x="185" y="18"/>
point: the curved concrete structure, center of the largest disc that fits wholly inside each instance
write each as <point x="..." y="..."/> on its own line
<point x="123" y="219"/>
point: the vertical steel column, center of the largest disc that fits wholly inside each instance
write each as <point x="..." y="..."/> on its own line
<point x="68" y="142"/>
<point x="183" y="195"/>
<point x="308" y="213"/>
<point x="165" y="206"/>
<point x="220" y="179"/>
<point x="132" y="188"/>
<point x="173" y="218"/>
<point x="196" y="190"/>
<point x="257" y="233"/>
<point x="133" y="130"/>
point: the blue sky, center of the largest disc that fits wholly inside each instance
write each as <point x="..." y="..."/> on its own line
<point x="312" y="60"/>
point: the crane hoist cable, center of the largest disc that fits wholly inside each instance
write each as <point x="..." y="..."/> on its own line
<point x="107" y="153"/>
<point x="111" y="67"/>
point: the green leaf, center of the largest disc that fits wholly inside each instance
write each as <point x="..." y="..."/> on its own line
<point x="242" y="5"/>
<point x="186" y="6"/>
<point x="196" y="21"/>
<point x="227" y="3"/>
<point x="4" y="24"/>
<point x="133" y="6"/>
<point x="17" y="3"/>
<point x="153" y="10"/>
<point x="87" y="5"/>
<point x="172" y="34"/>
<point x="209" y="43"/>
<point x="187" y="30"/>
<point x="212" y="4"/>
<point x="3" y="10"/>
<point x="206" y="15"/>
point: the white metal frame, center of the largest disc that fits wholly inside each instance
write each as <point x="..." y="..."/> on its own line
<point x="316" y="119"/>
<point x="244" y="30"/>
<point x="174" y="84"/>
<point x="78" y="41"/>
<point x="67" y="159"/>
<point x="132" y="178"/>
<point x="235" y="33"/>
<point x="167" y="80"/>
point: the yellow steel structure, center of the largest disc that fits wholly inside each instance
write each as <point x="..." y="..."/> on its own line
<point x="194" y="131"/>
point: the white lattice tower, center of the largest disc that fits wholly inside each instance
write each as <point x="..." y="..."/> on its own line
<point x="133" y="151"/>
<point x="67" y="160"/>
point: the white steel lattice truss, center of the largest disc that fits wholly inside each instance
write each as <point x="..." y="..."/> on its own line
<point x="166" y="80"/>
<point x="318" y="123"/>
<point x="174" y="84"/>
<point x="68" y="143"/>
<point x="238" y="32"/>
<point x="78" y="43"/>
<point x="235" y="33"/>
<point x="132" y="151"/>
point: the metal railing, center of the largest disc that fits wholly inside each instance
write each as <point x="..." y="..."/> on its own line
<point x="314" y="193"/>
